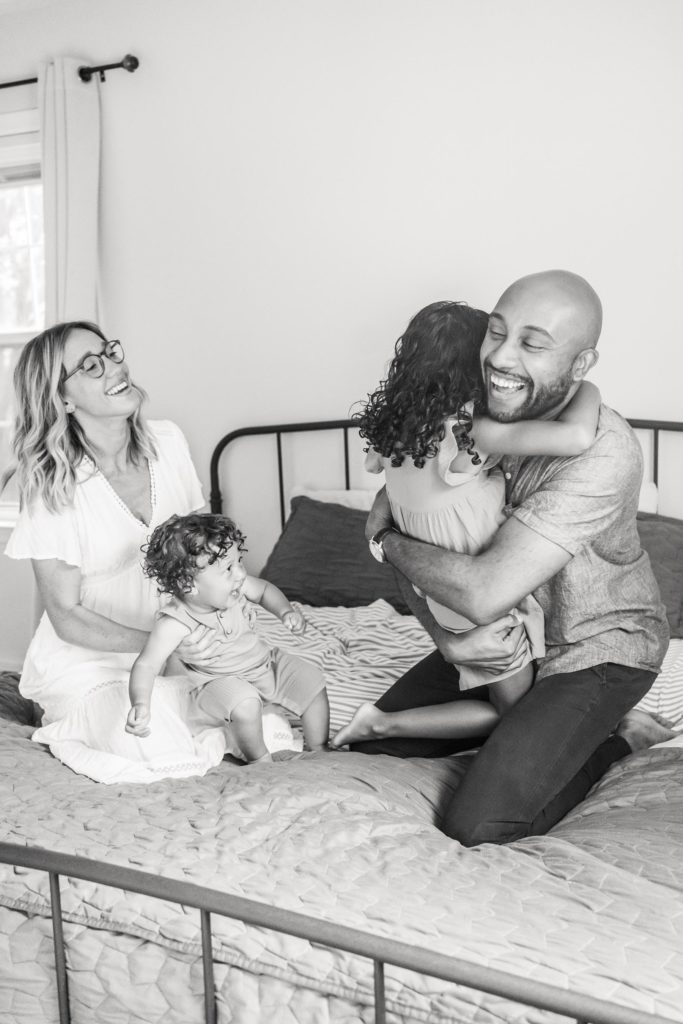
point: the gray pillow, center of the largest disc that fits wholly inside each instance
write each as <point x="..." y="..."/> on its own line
<point x="662" y="538"/>
<point x="322" y="558"/>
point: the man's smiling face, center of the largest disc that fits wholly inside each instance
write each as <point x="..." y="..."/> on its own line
<point x="529" y="354"/>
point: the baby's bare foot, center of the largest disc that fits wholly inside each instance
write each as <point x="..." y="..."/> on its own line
<point x="641" y="730"/>
<point x="287" y="755"/>
<point x="263" y="759"/>
<point x="366" y="724"/>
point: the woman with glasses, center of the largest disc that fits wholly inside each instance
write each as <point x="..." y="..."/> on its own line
<point x="94" y="479"/>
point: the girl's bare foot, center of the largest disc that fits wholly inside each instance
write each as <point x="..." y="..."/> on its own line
<point x="641" y="730"/>
<point x="366" y="724"/>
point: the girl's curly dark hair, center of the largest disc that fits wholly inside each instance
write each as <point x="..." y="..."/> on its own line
<point x="174" y="547"/>
<point x="434" y="372"/>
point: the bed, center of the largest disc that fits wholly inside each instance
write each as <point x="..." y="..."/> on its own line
<point x="319" y="889"/>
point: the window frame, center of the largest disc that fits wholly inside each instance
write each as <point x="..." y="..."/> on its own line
<point x="19" y="151"/>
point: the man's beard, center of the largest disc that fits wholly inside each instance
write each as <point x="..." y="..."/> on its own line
<point x="539" y="401"/>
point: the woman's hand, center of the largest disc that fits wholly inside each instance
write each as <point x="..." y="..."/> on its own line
<point x="199" y="650"/>
<point x="379" y="515"/>
<point x="500" y="645"/>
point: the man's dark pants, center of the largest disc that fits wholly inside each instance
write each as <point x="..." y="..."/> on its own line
<point x="541" y="759"/>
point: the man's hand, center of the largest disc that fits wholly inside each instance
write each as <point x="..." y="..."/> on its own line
<point x="138" y="720"/>
<point x="379" y="515"/>
<point x="499" y="646"/>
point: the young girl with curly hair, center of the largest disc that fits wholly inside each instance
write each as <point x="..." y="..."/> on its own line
<point x="439" y="456"/>
<point x="197" y="561"/>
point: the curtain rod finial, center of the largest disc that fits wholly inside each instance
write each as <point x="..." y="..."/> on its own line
<point x="129" y="62"/>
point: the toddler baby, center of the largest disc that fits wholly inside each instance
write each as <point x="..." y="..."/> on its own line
<point x="197" y="560"/>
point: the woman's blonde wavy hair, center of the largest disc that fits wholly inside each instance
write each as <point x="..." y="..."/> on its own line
<point x="48" y="444"/>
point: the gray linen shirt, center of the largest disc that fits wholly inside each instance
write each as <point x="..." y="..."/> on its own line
<point x="604" y="605"/>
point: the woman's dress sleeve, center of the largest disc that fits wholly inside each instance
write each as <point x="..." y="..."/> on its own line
<point x="40" y="533"/>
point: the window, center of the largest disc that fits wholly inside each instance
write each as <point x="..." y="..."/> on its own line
<point x="22" y="257"/>
<point x="22" y="251"/>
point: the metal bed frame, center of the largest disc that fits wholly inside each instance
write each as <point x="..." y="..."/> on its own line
<point x="216" y="498"/>
<point x="582" y="1009"/>
<point x="655" y="427"/>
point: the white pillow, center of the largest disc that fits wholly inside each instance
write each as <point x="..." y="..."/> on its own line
<point x="356" y="497"/>
<point x="362" y="498"/>
<point x="647" y="502"/>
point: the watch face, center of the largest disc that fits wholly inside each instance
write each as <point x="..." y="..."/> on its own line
<point x="376" y="550"/>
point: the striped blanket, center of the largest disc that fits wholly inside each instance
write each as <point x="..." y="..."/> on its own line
<point x="666" y="696"/>
<point x="362" y="651"/>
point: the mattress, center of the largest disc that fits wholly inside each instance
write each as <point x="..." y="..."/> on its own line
<point x="597" y="904"/>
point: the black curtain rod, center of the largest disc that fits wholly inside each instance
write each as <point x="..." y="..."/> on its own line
<point x="13" y="85"/>
<point x="129" y="63"/>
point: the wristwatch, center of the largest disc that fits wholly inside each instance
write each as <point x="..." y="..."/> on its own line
<point x="376" y="543"/>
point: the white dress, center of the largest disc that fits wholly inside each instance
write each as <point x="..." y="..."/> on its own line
<point x="84" y="692"/>
<point x="458" y="511"/>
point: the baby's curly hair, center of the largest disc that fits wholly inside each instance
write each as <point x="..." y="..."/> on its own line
<point x="174" y="547"/>
<point x="434" y="373"/>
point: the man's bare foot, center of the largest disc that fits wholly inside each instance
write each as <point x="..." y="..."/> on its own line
<point x="641" y="730"/>
<point x="366" y="724"/>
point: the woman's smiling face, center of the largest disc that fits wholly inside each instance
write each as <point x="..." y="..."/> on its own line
<point x="111" y="395"/>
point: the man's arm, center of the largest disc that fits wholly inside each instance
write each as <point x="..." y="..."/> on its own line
<point x="494" y="646"/>
<point x="482" y="587"/>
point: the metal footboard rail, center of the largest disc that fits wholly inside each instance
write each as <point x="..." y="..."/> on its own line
<point x="583" y="1009"/>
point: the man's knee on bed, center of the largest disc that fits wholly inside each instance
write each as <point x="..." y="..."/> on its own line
<point x="489" y="810"/>
<point x="475" y="832"/>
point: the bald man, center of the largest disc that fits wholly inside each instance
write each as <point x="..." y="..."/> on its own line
<point x="570" y="539"/>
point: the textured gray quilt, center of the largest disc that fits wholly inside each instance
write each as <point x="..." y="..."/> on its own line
<point x="597" y="904"/>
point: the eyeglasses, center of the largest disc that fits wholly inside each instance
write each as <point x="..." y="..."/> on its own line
<point x="93" y="363"/>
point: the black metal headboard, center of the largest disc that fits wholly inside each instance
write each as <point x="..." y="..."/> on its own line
<point x="655" y="427"/>
<point x="278" y="430"/>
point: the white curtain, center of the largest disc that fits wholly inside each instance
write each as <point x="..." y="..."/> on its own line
<point x="70" y="139"/>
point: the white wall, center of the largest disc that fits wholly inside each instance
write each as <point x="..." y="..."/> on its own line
<point x="286" y="183"/>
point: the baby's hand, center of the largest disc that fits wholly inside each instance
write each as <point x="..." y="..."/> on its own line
<point x="138" y="720"/>
<point x="294" y="621"/>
